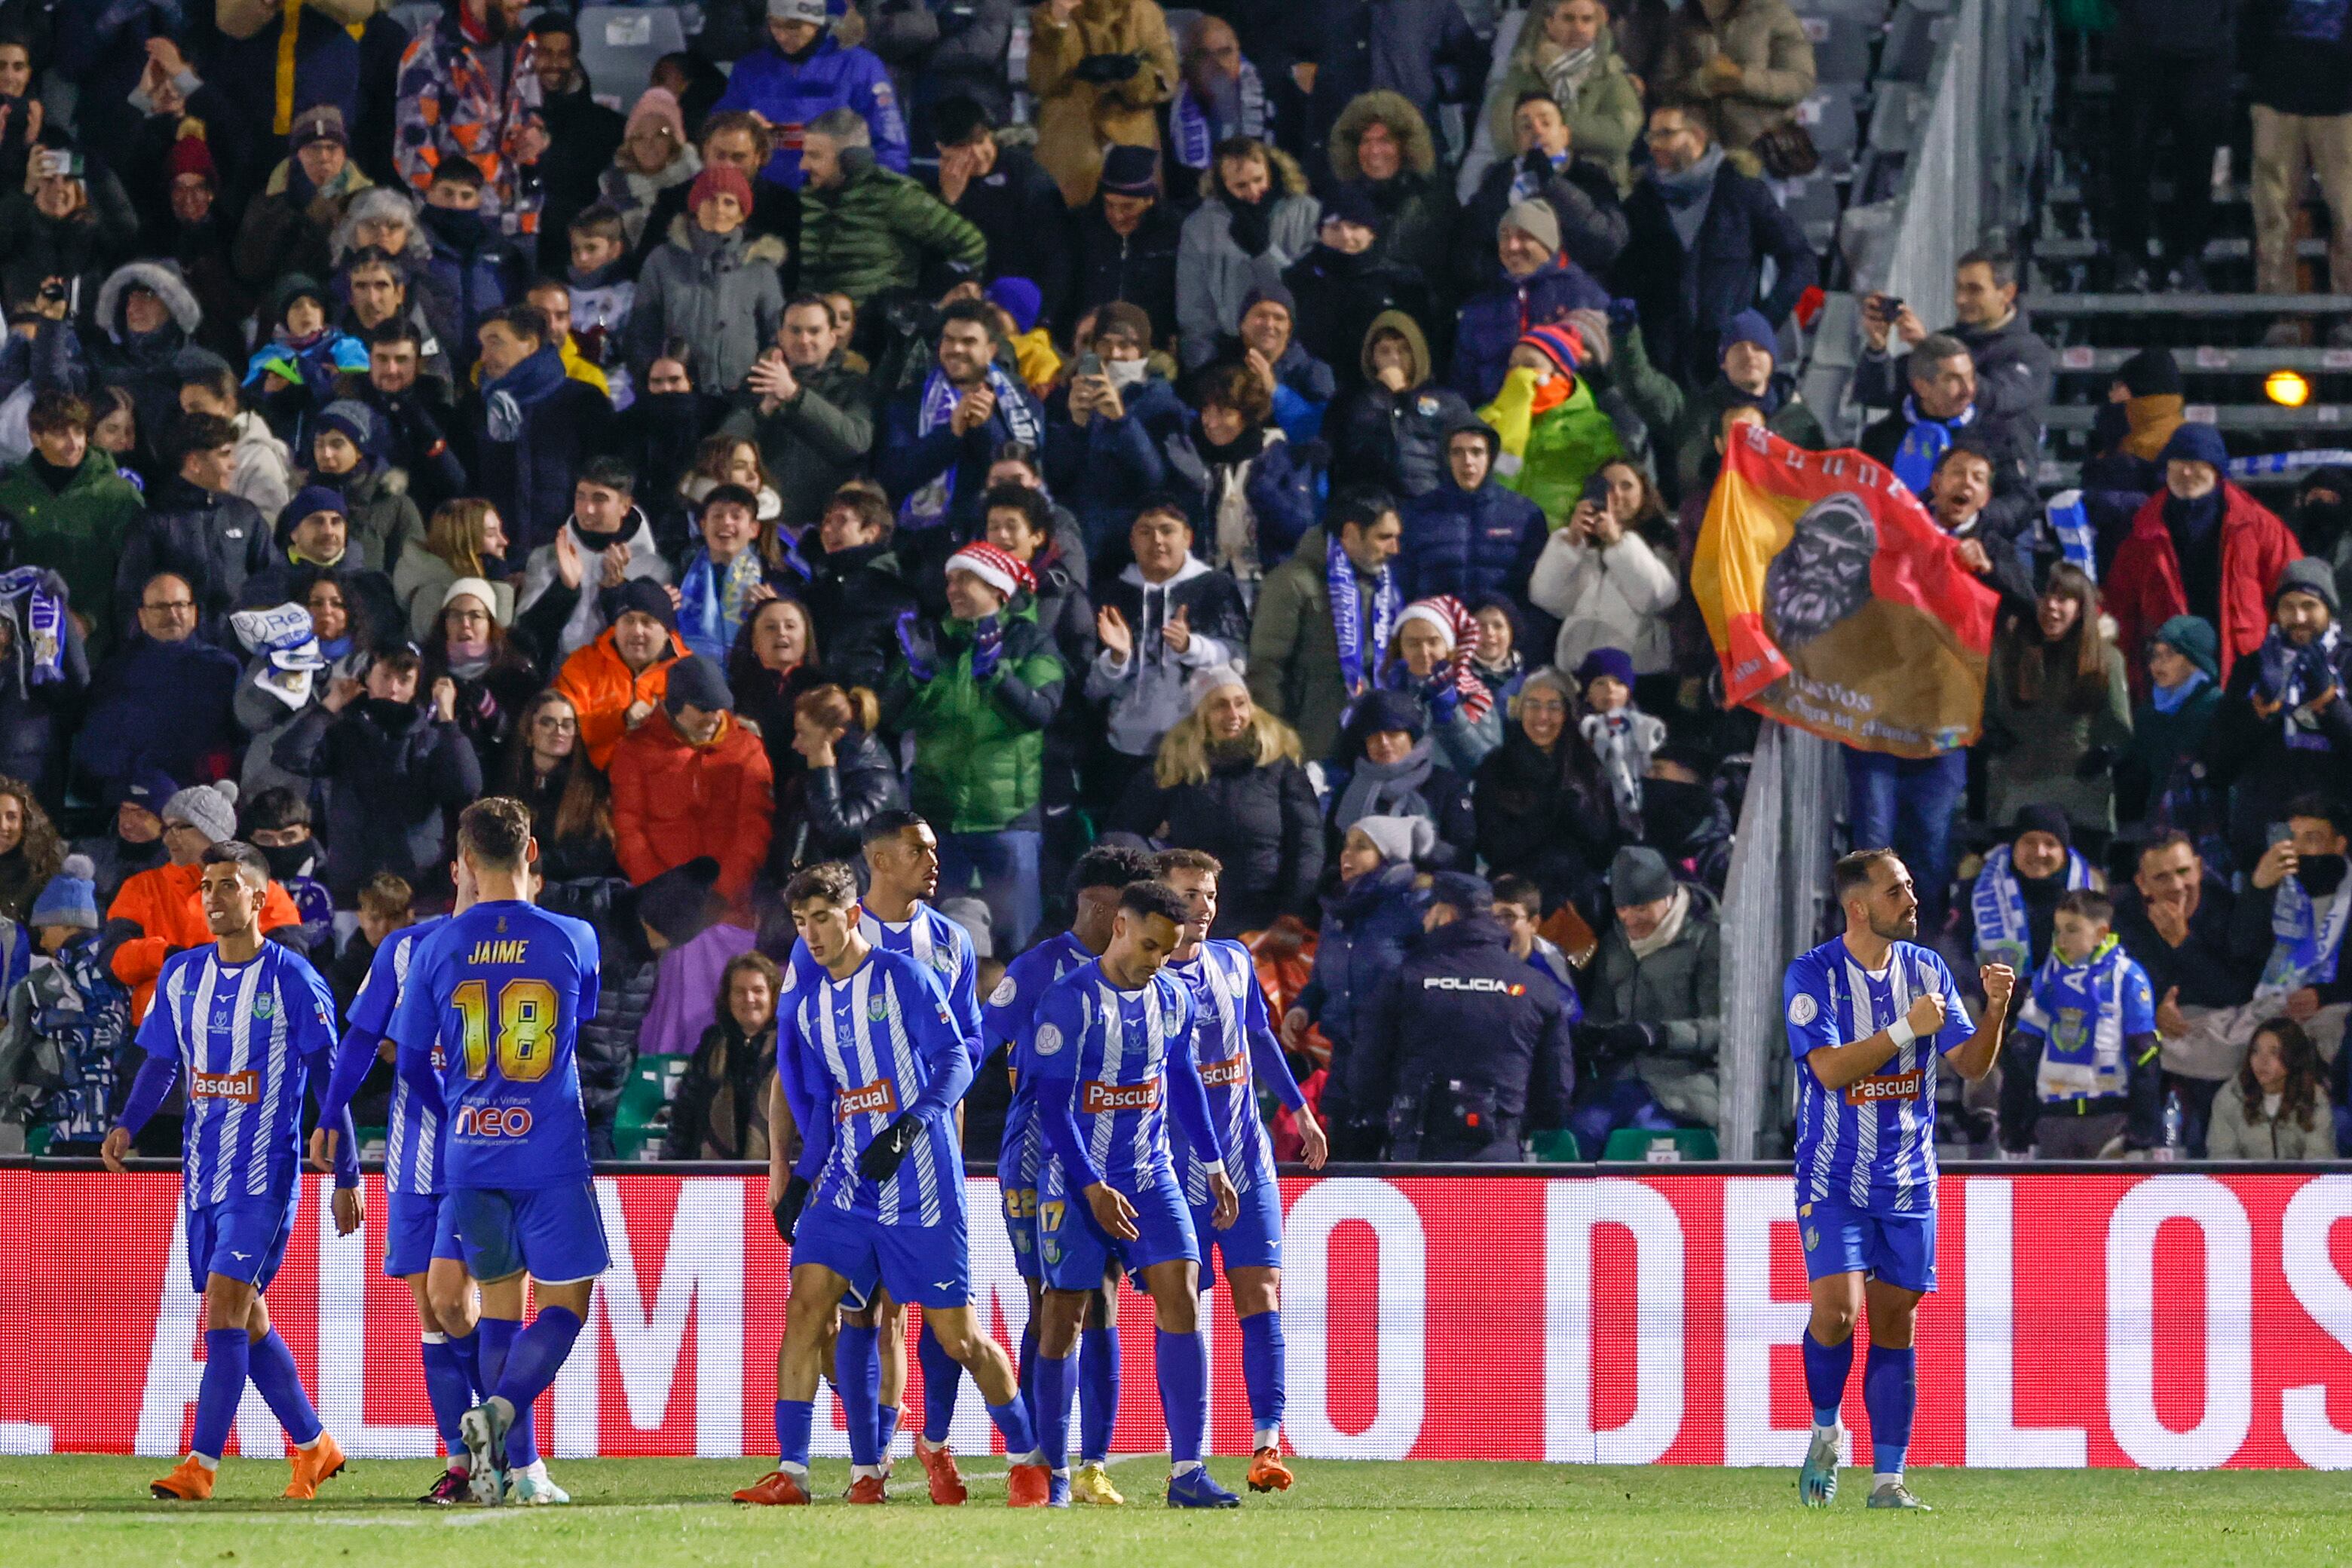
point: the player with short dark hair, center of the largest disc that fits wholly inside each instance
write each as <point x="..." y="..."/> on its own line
<point x="1107" y="1036"/>
<point x="251" y="1021"/>
<point x="874" y="1061"/>
<point x="1230" y="1036"/>
<point x="1869" y="1014"/>
<point x="496" y="997"/>
<point x="1010" y="1019"/>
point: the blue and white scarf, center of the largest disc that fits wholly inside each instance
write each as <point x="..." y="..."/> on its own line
<point x="2071" y="525"/>
<point x="2169" y="699"/>
<point x="1196" y="135"/>
<point x="40" y="616"/>
<point x="1923" y="443"/>
<point x="927" y="506"/>
<point x="2313" y="672"/>
<point x="2307" y="945"/>
<point x="2085" y="1013"/>
<point x="1358" y="652"/>
<point x="710" y="610"/>
<point x="2003" y="935"/>
<point x="289" y="648"/>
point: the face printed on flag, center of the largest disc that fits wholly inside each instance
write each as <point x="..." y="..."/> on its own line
<point x="1836" y="603"/>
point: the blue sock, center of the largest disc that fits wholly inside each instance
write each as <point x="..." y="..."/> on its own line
<point x="1826" y="1370"/>
<point x="1183" y="1392"/>
<point x="498" y="1337"/>
<point x="1012" y="1420"/>
<point x="1054" y="1376"/>
<point x="447" y="1389"/>
<point x="467" y="1348"/>
<point x="885" y="1430"/>
<point x="1262" y="1369"/>
<point x="1097" y="1392"/>
<point x="537" y="1355"/>
<point x="1027" y="1370"/>
<point x="1890" y="1391"/>
<point x="857" y="1379"/>
<point x="227" y="1356"/>
<point x="793" y="1418"/>
<point x="272" y="1366"/>
<point x="942" y="1380"/>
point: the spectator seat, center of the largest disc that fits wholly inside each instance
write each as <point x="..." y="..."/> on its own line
<point x="1636" y="1145"/>
<point x="619" y="46"/>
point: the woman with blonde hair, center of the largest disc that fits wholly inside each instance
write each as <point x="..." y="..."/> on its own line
<point x="1228" y="779"/>
<point x="467" y="537"/>
<point x="848" y="778"/>
<point x="30" y="849"/>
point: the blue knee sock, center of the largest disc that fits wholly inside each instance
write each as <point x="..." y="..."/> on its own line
<point x="1184" y="1393"/>
<point x="228" y="1354"/>
<point x="1262" y="1369"/>
<point x="857" y="1379"/>
<point x="942" y="1380"/>
<point x="447" y="1389"/>
<point x="1826" y="1370"/>
<point x="467" y="1348"/>
<point x="1011" y="1419"/>
<point x="793" y="1418"/>
<point x="497" y="1336"/>
<point x="1051" y="1395"/>
<point x="1097" y="1392"/>
<point x="1027" y="1370"/>
<point x="1890" y="1391"/>
<point x="272" y="1366"/>
<point x="886" y="1431"/>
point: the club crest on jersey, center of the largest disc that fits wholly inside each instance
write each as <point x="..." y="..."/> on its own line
<point x="265" y="1005"/>
<point x="1105" y="1099"/>
<point x="1049" y="1039"/>
<point x="1006" y="989"/>
<point x="1803" y="1009"/>
<point x="245" y="1087"/>
<point x="879" y="1098"/>
<point x="876" y="1009"/>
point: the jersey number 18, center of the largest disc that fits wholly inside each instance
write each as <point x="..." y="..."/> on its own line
<point x="527" y="1018"/>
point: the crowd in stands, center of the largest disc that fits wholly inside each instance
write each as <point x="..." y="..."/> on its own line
<point x="1286" y="438"/>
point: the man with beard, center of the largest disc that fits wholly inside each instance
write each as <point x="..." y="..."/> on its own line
<point x="1822" y="575"/>
<point x="1870" y="1013"/>
<point x="811" y="415"/>
<point x="2283" y="729"/>
<point x="581" y="134"/>
<point x="2016" y="894"/>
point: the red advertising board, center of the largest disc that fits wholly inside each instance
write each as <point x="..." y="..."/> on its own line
<point x="2182" y="1320"/>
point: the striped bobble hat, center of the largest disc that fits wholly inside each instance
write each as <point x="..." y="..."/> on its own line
<point x="1564" y="346"/>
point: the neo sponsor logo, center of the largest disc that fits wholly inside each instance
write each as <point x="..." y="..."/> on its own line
<point x="493" y="1121"/>
<point x="1233" y="1069"/>
<point x="1485" y="983"/>
<point x="245" y="1087"/>
<point x="1101" y="1098"/>
<point x="1886" y="1085"/>
<point x="879" y="1098"/>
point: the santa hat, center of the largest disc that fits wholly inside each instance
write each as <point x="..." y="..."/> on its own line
<point x="1459" y="626"/>
<point x="994" y="567"/>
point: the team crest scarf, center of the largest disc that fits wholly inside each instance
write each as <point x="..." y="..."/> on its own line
<point x="2083" y="1004"/>
<point x="2308" y="942"/>
<point x="713" y="602"/>
<point x="927" y="506"/>
<point x="1358" y="651"/>
<point x="1923" y="443"/>
<point x="1998" y="904"/>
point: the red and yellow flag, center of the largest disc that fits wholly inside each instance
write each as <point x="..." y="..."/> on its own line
<point x="1836" y="603"/>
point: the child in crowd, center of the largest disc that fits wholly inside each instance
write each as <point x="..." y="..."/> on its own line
<point x="68" y="1026"/>
<point x="1619" y="733"/>
<point x="2085" y="1045"/>
<point x="602" y="293"/>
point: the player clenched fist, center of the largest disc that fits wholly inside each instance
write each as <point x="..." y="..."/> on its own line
<point x="1926" y="1015"/>
<point x="1998" y="981"/>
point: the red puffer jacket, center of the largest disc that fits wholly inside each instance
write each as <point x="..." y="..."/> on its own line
<point x="673" y="801"/>
<point x="2144" y="589"/>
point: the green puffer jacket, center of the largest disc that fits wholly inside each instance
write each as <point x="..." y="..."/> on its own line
<point x="1547" y="457"/>
<point x="77" y="534"/>
<point x="875" y="230"/>
<point x="980" y="745"/>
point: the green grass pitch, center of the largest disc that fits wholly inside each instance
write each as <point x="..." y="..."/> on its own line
<point x="652" y="1513"/>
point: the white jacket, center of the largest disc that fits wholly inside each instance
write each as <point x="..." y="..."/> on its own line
<point x="261" y="469"/>
<point x="1616" y="597"/>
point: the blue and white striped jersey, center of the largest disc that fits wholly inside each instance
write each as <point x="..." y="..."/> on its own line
<point x="416" y="1132"/>
<point x="246" y="1035"/>
<point x="877" y="1045"/>
<point x="1104" y="1085"/>
<point x="1011" y="1017"/>
<point x="1872" y="1143"/>
<point x="1231" y="1028"/>
<point x="931" y="939"/>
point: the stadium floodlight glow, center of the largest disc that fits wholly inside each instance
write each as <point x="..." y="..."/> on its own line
<point x="2286" y="388"/>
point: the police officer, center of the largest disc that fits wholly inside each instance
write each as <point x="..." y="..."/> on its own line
<point x="1469" y="1046"/>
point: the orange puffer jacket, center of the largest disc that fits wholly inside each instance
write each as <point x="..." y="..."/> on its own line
<point x="164" y="905"/>
<point x="673" y="801"/>
<point x="597" y="683"/>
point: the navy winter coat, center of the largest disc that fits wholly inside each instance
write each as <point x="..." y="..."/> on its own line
<point x="1469" y="542"/>
<point x="1367" y="925"/>
<point x="1687" y="296"/>
<point x="529" y="479"/>
<point x="1491" y="322"/>
<point x="1106" y="468"/>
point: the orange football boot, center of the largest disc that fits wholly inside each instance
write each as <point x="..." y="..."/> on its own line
<point x="189" y="1481"/>
<point x="321" y="1461"/>
<point x="1267" y="1473"/>
<point x="1028" y="1486"/>
<point x="777" y="1488"/>
<point x="866" y="1488"/>
<point x="939" y="1470"/>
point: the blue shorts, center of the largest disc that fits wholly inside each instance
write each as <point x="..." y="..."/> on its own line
<point x="919" y="1265"/>
<point x="556" y="1233"/>
<point x="1841" y="1239"/>
<point x="244" y="1237"/>
<point x="1077" y="1252"/>
<point x="414" y="1236"/>
<point x="1252" y="1241"/>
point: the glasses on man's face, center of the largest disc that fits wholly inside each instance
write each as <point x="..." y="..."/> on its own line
<point x="170" y="607"/>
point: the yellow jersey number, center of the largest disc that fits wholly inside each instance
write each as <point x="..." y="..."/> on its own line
<point x="526" y="1013"/>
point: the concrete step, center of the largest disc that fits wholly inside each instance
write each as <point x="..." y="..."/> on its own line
<point x="2078" y="359"/>
<point x="2056" y="307"/>
<point x="2065" y="248"/>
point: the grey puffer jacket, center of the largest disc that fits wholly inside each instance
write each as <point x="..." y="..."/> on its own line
<point x="1214" y="274"/>
<point x="722" y="293"/>
<point x="1677" y="991"/>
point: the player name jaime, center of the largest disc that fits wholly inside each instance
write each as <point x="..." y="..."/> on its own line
<point x="509" y="951"/>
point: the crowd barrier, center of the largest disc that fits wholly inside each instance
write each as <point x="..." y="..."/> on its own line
<point x="2178" y="1317"/>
